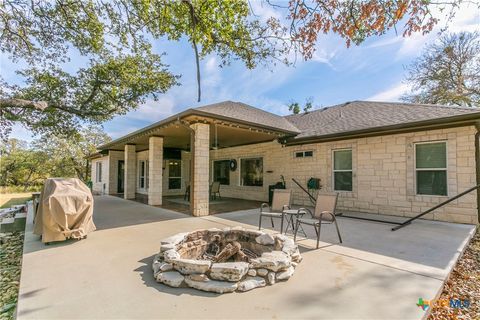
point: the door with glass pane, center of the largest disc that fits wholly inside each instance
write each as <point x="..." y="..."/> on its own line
<point x="174" y="174"/>
<point x="120" y="176"/>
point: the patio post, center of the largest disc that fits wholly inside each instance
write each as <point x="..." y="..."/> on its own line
<point x="130" y="170"/>
<point x="155" y="160"/>
<point x="200" y="176"/>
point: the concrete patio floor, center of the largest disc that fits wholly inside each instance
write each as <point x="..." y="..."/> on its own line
<point x="374" y="274"/>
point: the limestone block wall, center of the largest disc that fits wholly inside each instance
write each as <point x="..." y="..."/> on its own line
<point x="274" y="165"/>
<point x="383" y="173"/>
<point x="155" y="171"/>
<point x="103" y="186"/>
<point x="201" y="170"/>
<point x="130" y="171"/>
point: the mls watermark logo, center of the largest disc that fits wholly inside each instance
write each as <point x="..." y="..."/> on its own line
<point x="452" y="303"/>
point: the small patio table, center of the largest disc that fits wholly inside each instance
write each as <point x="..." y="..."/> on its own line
<point x="292" y="215"/>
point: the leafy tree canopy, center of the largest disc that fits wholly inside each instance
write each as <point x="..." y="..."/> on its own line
<point x="295" y="107"/>
<point x="121" y="69"/>
<point x="28" y="165"/>
<point x="447" y="72"/>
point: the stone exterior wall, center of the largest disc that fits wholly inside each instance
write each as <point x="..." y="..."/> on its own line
<point x="103" y="186"/>
<point x="383" y="173"/>
<point x="155" y="171"/>
<point x="130" y="172"/>
<point x="383" y="170"/>
<point x="201" y="164"/>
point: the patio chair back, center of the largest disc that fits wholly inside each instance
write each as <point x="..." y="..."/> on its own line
<point x="281" y="197"/>
<point x="215" y="187"/>
<point x="325" y="202"/>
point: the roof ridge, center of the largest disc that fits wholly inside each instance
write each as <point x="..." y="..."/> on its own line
<point x="237" y="102"/>
<point x="339" y="105"/>
<point x="418" y="104"/>
<point x="321" y="109"/>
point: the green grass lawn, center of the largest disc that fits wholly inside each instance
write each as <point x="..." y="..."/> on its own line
<point x="10" y="199"/>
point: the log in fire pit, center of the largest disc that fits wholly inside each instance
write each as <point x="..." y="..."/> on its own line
<point x="228" y="260"/>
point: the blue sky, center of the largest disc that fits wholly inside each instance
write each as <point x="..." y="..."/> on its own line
<point x="374" y="70"/>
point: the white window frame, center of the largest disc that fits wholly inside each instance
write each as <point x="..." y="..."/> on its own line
<point x="303" y="152"/>
<point x="170" y="177"/>
<point x="333" y="169"/>
<point x="429" y="169"/>
<point x="239" y="164"/>
<point x="98" y="171"/>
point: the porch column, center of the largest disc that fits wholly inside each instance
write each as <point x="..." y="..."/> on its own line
<point x="130" y="171"/>
<point x="155" y="173"/>
<point x="200" y="156"/>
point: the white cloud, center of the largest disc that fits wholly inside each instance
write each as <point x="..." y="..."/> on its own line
<point x="323" y="56"/>
<point x="391" y="94"/>
<point x="263" y="11"/>
<point x="385" y="42"/>
<point x="153" y="110"/>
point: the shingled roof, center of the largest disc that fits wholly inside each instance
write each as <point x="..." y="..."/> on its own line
<point x="359" y="116"/>
<point x="247" y="113"/>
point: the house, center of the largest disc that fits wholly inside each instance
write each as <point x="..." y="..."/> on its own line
<point x="390" y="158"/>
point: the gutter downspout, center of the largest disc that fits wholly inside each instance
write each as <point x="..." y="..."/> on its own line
<point x="192" y="161"/>
<point x="477" y="166"/>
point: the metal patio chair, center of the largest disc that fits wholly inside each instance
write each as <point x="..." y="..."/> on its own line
<point x="214" y="190"/>
<point x="324" y="214"/>
<point x="280" y="202"/>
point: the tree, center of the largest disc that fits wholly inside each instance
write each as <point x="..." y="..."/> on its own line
<point x="447" y="72"/>
<point x="28" y="165"/>
<point x="115" y="39"/>
<point x="356" y="20"/>
<point x="22" y="166"/>
<point x="70" y="154"/>
<point x="295" y="106"/>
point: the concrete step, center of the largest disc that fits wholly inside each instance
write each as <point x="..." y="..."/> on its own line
<point x="20" y="221"/>
<point x="7" y="225"/>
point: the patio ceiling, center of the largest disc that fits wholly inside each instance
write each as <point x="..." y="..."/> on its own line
<point x="223" y="133"/>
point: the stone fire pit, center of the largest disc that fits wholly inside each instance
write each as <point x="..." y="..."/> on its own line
<point x="221" y="261"/>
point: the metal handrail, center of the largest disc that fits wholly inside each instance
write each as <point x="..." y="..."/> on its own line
<point x="312" y="199"/>
<point x="435" y="207"/>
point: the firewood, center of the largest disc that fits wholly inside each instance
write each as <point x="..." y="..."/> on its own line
<point x="241" y="257"/>
<point x="230" y="250"/>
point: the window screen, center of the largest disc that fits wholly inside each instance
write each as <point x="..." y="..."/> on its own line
<point x="342" y="170"/>
<point x="431" y="168"/>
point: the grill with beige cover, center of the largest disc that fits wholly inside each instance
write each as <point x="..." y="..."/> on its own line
<point x="65" y="210"/>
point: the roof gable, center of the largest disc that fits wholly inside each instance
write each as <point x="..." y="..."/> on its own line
<point x="247" y="113"/>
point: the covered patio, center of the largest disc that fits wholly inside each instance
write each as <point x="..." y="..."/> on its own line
<point x="375" y="273"/>
<point x="216" y="206"/>
<point x="139" y="163"/>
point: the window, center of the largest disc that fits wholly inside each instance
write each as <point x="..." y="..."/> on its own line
<point x="174" y="174"/>
<point x="221" y="171"/>
<point x="342" y="170"/>
<point x="252" y="172"/>
<point x="303" y="154"/>
<point x="98" y="171"/>
<point x="431" y="168"/>
<point x="143" y="174"/>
